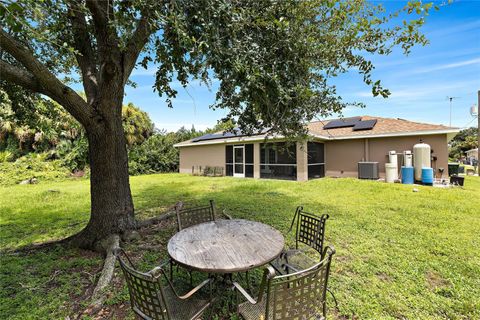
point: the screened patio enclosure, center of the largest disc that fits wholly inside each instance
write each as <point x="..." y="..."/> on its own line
<point x="276" y="160"/>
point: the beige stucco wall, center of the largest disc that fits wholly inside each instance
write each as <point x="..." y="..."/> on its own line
<point x="206" y="155"/>
<point x="302" y="162"/>
<point x="342" y="156"/>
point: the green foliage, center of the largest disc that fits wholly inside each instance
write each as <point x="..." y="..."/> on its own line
<point x="5" y="156"/>
<point x="465" y="140"/>
<point x="136" y="124"/>
<point x="34" y="165"/>
<point x="73" y="153"/>
<point x="276" y="60"/>
<point x="33" y="124"/>
<point x="400" y="254"/>
<point x="157" y="153"/>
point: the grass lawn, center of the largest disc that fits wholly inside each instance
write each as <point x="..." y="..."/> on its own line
<point x="400" y="254"/>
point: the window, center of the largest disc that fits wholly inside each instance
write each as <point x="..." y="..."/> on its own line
<point x="278" y="161"/>
<point x="316" y="160"/>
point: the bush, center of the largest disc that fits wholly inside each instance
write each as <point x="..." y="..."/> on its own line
<point x="156" y="154"/>
<point x="6" y="156"/>
<point x="32" y="166"/>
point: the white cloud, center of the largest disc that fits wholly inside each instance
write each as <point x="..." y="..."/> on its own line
<point x="447" y="66"/>
<point x="416" y="91"/>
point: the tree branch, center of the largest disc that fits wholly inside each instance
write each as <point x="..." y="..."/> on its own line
<point x="82" y="43"/>
<point x="52" y="87"/>
<point x="100" y="11"/>
<point x="136" y="43"/>
<point x="20" y="77"/>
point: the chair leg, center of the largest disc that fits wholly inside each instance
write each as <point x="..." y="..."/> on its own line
<point x="334" y="299"/>
<point x="171" y="270"/>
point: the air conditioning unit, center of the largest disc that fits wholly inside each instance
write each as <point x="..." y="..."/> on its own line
<point x="368" y="170"/>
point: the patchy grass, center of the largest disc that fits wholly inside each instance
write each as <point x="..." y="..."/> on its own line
<point x="400" y="254"/>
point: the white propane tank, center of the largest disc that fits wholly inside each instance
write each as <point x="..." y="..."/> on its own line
<point x="407" y="158"/>
<point x="421" y="159"/>
<point x="391" y="172"/>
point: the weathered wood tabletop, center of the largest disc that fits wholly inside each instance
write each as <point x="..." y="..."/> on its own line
<point x="226" y="246"/>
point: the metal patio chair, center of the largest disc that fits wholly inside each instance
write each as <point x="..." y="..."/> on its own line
<point x="187" y="217"/>
<point x="309" y="240"/>
<point x="150" y="299"/>
<point x="300" y="295"/>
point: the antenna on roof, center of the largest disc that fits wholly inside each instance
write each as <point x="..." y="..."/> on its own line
<point x="451" y="99"/>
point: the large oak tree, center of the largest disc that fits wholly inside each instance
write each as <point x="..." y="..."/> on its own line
<point x="274" y="59"/>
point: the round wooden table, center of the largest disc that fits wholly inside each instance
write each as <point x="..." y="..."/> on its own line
<point x="226" y="246"/>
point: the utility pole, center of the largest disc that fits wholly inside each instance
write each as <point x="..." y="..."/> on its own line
<point x="478" y="134"/>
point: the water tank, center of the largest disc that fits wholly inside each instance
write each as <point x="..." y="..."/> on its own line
<point x="421" y="159"/>
<point x="427" y="176"/>
<point x="391" y="173"/>
<point x="407" y="158"/>
<point x="392" y="157"/>
<point x="407" y="175"/>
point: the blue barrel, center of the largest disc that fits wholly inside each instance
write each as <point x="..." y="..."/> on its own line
<point x="427" y="176"/>
<point x="407" y="175"/>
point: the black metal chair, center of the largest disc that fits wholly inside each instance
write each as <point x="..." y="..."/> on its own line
<point x="187" y="217"/>
<point x="299" y="295"/>
<point x="309" y="241"/>
<point x="150" y="299"/>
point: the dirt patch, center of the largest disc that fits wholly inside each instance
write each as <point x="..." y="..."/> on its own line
<point x="435" y="281"/>
<point x="384" y="277"/>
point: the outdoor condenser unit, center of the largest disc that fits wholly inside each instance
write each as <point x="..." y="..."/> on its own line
<point x="368" y="170"/>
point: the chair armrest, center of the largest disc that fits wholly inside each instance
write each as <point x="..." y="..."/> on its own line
<point x="224" y="212"/>
<point x="191" y="292"/>
<point x="194" y="290"/>
<point x="268" y="274"/>
<point x="244" y="293"/>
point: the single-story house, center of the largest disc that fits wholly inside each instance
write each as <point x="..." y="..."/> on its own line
<point x="335" y="148"/>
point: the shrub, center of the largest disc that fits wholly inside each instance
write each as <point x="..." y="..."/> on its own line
<point x="156" y="154"/>
<point x="6" y="156"/>
<point x="32" y="166"/>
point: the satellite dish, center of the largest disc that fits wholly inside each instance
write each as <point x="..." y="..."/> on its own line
<point x="474" y="110"/>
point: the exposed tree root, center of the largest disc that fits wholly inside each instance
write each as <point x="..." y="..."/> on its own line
<point x="160" y="218"/>
<point x="154" y="220"/>
<point x="98" y="295"/>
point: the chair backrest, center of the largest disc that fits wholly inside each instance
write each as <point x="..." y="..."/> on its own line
<point x="300" y="295"/>
<point x="310" y="229"/>
<point x="146" y="293"/>
<point x="187" y="217"/>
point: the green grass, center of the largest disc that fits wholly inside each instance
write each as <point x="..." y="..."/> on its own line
<point x="400" y="254"/>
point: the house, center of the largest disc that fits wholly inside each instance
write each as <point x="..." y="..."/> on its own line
<point x="334" y="149"/>
<point x="472" y="156"/>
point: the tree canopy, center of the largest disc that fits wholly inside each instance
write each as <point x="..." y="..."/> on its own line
<point x="274" y="59"/>
<point x="465" y="140"/>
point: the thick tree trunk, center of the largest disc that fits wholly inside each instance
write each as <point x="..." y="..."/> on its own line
<point x="112" y="209"/>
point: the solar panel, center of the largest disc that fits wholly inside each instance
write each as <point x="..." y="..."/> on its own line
<point x="342" y="123"/>
<point x="212" y="136"/>
<point x="365" y="125"/>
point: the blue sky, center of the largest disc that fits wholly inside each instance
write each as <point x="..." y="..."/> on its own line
<point x="420" y="83"/>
